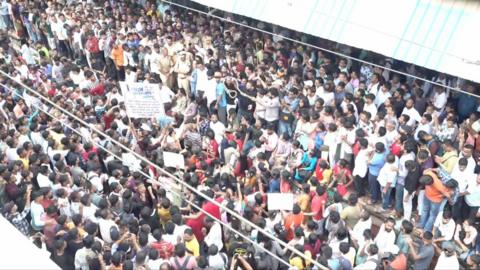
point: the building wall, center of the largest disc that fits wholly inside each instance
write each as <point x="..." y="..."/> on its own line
<point x="439" y="35"/>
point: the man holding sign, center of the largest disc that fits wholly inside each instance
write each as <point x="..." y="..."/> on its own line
<point x="143" y="100"/>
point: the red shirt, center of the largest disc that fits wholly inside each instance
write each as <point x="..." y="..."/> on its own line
<point x="297" y="220"/>
<point x="196" y="225"/>
<point x="284" y="186"/>
<point x="356" y="148"/>
<point x="239" y="144"/>
<point x="337" y="172"/>
<point x="108" y="121"/>
<point x="317" y="204"/>
<point x="52" y="92"/>
<point x="319" y="171"/>
<point x="212" y="209"/>
<point x="92" y="45"/>
<point x="396" y="149"/>
<point x="98" y="90"/>
<point x="164" y="248"/>
<point x="213" y="148"/>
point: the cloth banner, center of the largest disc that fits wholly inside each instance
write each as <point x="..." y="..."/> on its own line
<point x="280" y="201"/>
<point x="142" y="100"/>
<point x="173" y="160"/>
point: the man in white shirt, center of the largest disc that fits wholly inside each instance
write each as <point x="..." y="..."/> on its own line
<point x="105" y="224"/>
<point x="42" y="177"/>
<point x="271" y="139"/>
<point x="472" y="196"/>
<point x="424" y="125"/>
<point x="461" y="175"/>
<point x="272" y="106"/>
<point x="387" y="178"/>
<point x="210" y="89"/>
<point x="81" y="261"/>
<point x="361" y="167"/>
<point x="217" y="127"/>
<point x="447" y="258"/>
<point x="214" y="235"/>
<point x="374" y="86"/>
<point x="37" y="212"/>
<point x="202" y="79"/>
<point x="383" y="94"/>
<point x="439" y="99"/>
<point x="467" y="152"/>
<point x="444" y="227"/>
<point x="411" y="112"/>
<point x="365" y="223"/>
<point x="96" y="180"/>
<point x="370" y="105"/>
<point x="386" y="235"/>
<point x="166" y="96"/>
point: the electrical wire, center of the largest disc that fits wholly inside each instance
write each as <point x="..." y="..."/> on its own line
<point x="154" y="181"/>
<point x="181" y="182"/>
<point x="321" y="48"/>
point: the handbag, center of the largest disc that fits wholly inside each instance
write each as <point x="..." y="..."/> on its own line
<point x="286" y="117"/>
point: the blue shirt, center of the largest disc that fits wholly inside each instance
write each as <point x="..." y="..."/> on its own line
<point x="193" y="82"/>
<point x="376" y="163"/>
<point x="309" y="163"/>
<point x="274" y="186"/>
<point x="220" y="90"/>
<point x="293" y="103"/>
<point x="466" y="104"/>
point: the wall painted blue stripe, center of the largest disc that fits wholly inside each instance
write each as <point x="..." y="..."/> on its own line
<point x="415" y="33"/>
<point x="427" y="34"/>
<point x="328" y="18"/>
<point x="314" y="11"/>
<point x="454" y="29"/>
<point x="439" y="33"/>
<point x="340" y="32"/>
<point x="394" y="54"/>
<point x="339" y="14"/>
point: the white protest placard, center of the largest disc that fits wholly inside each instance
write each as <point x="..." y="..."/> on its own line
<point x="142" y="100"/>
<point x="280" y="201"/>
<point x="173" y="160"/>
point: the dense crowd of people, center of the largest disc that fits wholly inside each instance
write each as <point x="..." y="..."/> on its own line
<point x="252" y="114"/>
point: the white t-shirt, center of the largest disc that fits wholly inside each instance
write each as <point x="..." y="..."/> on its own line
<point x="104" y="226"/>
<point x="272" y="109"/>
<point x="413" y="114"/>
<point x="445" y="262"/>
<point x="384" y="239"/>
<point x="210" y="91"/>
<point x="446" y="230"/>
<point x="371" y="108"/>
<point x="166" y="94"/>
<point x="43" y="181"/>
<point x="219" y="129"/>
<point x="440" y="100"/>
<point x="361" y="163"/>
<point x="387" y="174"/>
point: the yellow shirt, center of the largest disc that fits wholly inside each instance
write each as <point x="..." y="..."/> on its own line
<point x="299" y="262"/>
<point x="304" y="201"/>
<point x="449" y="159"/>
<point x="327" y="175"/>
<point x="57" y="137"/>
<point x="164" y="215"/>
<point x="25" y="163"/>
<point x="193" y="247"/>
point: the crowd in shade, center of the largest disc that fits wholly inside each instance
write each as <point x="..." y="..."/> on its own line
<point x="383" y="168"/>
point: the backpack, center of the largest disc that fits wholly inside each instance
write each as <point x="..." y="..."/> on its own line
<point x="440" y="151"/>
<point x="184" y="265"/>
<point x="344" y="263"/>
